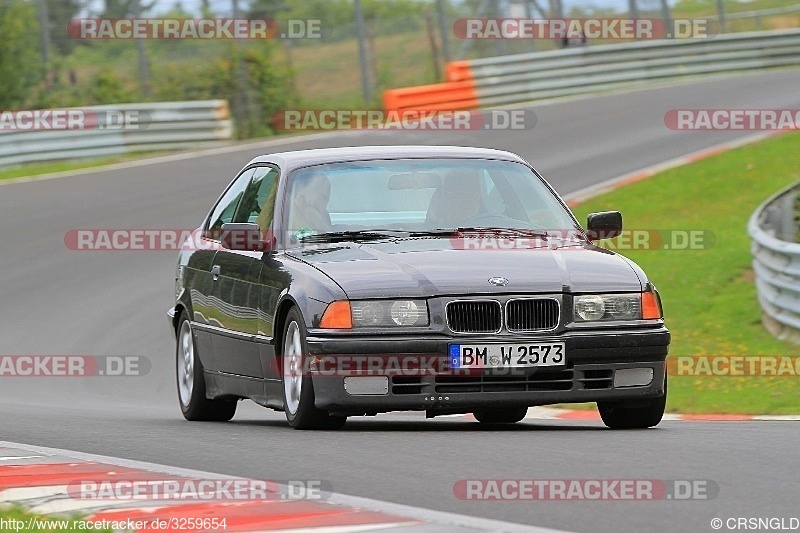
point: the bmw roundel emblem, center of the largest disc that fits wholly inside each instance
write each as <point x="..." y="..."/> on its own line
<point x="498" y="281"/>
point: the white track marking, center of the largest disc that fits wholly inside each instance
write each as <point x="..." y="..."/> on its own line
<point x="438" y="518"/>
<point x="586" y="193"/>
<point x="19" y="494"/>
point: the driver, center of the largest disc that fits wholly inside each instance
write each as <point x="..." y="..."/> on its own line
<point x="309" y="210"/>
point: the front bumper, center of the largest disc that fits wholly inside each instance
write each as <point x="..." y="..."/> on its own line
<point x="588" y="376"/>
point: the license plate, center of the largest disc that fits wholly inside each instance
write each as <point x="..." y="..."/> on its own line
<point x="507" y="355"/>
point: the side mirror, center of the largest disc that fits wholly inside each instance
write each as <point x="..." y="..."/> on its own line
<point x="246" y="238"/>
<point x="605" y="225"/>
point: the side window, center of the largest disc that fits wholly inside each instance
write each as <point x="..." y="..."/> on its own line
<point x="258" y="203"/>
<point x="226" y="207"/>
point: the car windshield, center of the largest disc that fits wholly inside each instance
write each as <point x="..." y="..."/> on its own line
<point x="421" y="195"/>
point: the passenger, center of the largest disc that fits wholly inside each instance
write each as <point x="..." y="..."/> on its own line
<point x="457" y="200"/>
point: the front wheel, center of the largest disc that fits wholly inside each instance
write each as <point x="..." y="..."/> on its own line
<point x="500" y="416"/>
<point x="298" y="388"/>
<point x="639" y="416"/>
<point x="191" y="383"/>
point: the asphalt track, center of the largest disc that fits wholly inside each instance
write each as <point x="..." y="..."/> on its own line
<point x="57" y="301"/>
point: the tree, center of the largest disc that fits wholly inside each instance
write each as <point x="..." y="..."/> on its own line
<point x="118" y="9"/>
<point x="21" y="66"/>
<point x="334" y="13"/>
<point x="59" y="13"/>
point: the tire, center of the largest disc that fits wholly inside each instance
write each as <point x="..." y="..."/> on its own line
<point x="500" y="416"/>
<point x="191" y="382"/>
<point x="298" y="387"/>
<point x="649" y="414"/>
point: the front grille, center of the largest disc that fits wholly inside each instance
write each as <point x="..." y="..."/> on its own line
<point x="540" y="379"/>
<point x="597" y="379"/>
<point x="532" y="314"/>
<point x="530" y="381"/>
<point x="480" y="316"/>
<point x="407" y="385"/>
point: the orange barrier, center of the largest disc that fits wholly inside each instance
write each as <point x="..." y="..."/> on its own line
<point x="458" y="71"/>
<point x="447" y="96"/>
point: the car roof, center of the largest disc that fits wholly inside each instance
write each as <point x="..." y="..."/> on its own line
<point x="289" y="161"/>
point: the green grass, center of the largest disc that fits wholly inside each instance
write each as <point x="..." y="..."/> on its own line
<point x="38" y="169"/>
<point x="709" y="296"/>
<point x="703" y="8"/>
<point x="41" y="522"/>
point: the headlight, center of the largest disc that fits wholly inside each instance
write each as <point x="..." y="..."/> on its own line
<point x="595" y="307"/>
<point x="389" y="313"/>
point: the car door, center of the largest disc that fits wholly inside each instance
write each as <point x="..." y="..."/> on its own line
<point x="273" y="281"/>
<point x="201" y="278"/>
<point x="236" y="291"/>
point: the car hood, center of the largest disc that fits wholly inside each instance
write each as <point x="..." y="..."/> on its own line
<point x="435" y="267"/>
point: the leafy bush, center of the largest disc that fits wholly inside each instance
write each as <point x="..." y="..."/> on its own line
<point x="21" y="65"/>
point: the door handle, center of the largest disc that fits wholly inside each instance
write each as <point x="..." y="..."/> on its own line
<point x="215" y="271"/>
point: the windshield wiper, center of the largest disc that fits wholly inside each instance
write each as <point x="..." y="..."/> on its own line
<point x="377" y="234"/>
<point x="449" y="232"/>
<point x="357" y="235"/>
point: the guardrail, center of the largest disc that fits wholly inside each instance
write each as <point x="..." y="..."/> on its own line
<point x="119" y="129"/>
<point x="758" y="15"/>
<point x="537" y="75"/>
<point x="773" y="228"/>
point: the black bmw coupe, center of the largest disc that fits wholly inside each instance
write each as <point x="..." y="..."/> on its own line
<point x="353" y="281"/>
